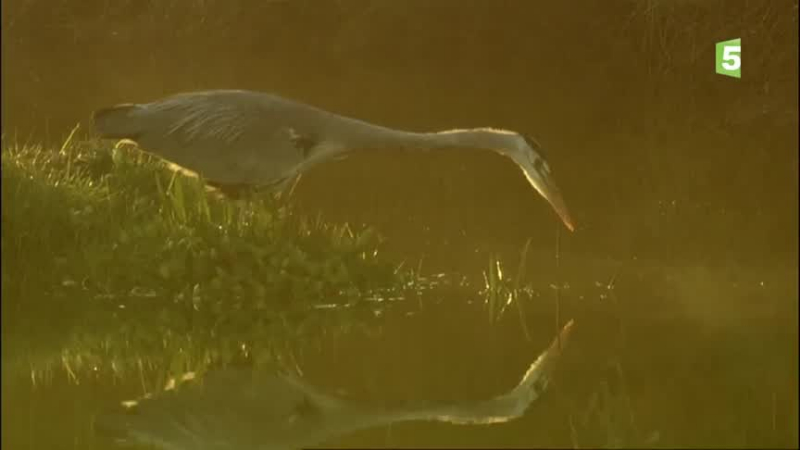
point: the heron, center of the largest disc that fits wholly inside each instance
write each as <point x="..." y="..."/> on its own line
<point x="238" y="408"/>
<point x="238" y="139"/>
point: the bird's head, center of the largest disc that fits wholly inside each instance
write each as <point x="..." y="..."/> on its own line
<point x="528" y="154"/>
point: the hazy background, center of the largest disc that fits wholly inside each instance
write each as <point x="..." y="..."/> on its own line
<point x="650" y="146"/>
<point x="665" y="165"/>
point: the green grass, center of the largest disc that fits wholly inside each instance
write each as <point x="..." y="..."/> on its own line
<point x="112" y="262"/>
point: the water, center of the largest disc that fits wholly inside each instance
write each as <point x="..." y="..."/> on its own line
<point x="681" y="276"/>
<point x="690" y="369"/>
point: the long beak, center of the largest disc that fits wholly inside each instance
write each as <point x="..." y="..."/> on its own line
<point x="557" y="202"/>
<point x="546" y="186"/>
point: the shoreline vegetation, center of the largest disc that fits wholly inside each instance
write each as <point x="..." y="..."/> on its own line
<point x="120" y="262"/>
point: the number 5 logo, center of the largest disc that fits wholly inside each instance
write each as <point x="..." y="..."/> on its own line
<point x="729" y="58"/>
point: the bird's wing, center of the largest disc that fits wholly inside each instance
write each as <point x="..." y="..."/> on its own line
<point x="222" y="119"/>
<point x="228" y="117"/>
<point x="262" y="139"/>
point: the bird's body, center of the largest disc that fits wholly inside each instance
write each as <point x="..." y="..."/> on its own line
<point x="271" y="138"/>
<point x="235" y="137"/>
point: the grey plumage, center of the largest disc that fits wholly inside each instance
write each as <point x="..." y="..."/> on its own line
<point x="235" y="137"/>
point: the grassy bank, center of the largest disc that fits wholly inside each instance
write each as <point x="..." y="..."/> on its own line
<point x="112" y="261"/>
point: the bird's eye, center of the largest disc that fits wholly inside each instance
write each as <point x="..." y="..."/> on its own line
<point x="534" y="145"/>
<point x="537" y="164"/>
<point x="541" y="166"/>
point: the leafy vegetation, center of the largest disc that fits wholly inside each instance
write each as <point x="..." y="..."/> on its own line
<point x="113" y="261"/>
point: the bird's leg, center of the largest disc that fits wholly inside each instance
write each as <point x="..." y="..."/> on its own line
<point x="285" y="188"/>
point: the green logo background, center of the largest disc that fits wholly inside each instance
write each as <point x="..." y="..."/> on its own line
<point x="733" y="57"/>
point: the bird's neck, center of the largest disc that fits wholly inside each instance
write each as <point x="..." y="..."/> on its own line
<point x="476" y="138"/>
<point x="357" y="135"/>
